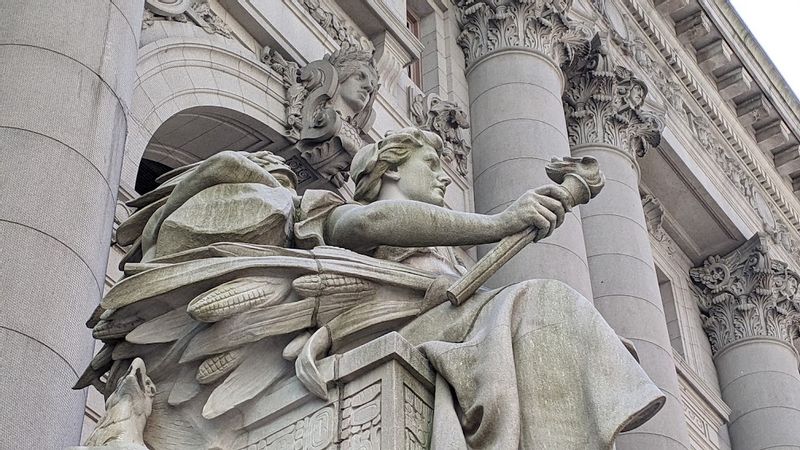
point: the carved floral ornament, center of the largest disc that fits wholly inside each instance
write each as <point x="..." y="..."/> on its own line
<point x="603" y="104"/>
<point x="196" y="11"/>
<point x="748" y="294"/>
<point x="488" y="25"/>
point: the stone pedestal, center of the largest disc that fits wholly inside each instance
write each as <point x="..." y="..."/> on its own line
<point x="65" y="81"/>
<point x="517" y="122"/>
<point x="381" y="398"/>
<point x="750" y="319"/>
<point x="602" y="104"/>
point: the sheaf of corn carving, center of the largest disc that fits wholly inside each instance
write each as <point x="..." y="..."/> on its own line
<point x="236" y="296"/>
<point x="216" y="367"/>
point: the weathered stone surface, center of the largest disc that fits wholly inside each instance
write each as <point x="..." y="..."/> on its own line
<point x="67" y="75"/>
<point x="242" y="212"/>
<point x="750" y="311"/>
<point x="222" y="324"/>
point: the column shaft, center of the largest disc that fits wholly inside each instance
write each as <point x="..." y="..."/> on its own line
<point x="626" y="290"/>
<point x="65" y="82"/>
<point x="759" y="380"/>
<point x="751" y="321"/>
<point x="517" y="126"/>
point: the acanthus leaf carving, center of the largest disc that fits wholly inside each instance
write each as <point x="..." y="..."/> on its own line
<point x="654" y="215"/>
<point x="448" y="120"/>
<point x="603" y="104"/>
<point x="747" y="294"/>
<point x="295" y="91"/>
<point x="543" y="25"/>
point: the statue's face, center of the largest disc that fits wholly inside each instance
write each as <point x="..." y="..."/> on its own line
<point x="355" y="91"/>
<point x="422" y="178"/>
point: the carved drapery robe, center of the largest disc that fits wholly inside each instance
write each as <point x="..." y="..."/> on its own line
<point x="532" y="365"/>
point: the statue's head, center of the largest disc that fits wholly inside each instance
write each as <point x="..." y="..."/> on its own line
<point x="358" y="82"/>
<point x="406" y="164"/>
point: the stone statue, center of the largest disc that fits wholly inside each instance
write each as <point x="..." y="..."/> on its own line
<point x="330" y="106"/>
<point x="235" y="287"/>
<point x="127" y="410"/>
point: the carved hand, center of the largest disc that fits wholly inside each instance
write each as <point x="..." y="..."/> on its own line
<point x="542" y="208"/>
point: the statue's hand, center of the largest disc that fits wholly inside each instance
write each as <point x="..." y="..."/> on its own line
<point x="542" y="208"/>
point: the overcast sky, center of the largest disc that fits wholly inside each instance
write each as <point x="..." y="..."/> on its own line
<point x="776" y="25"/>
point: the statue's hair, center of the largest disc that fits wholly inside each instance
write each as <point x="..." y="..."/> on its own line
<point x="373" y="160"/>
<point x="349" y="58"/>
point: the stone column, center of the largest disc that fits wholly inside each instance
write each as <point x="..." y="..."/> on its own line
<point x="513" y="54"/>
<point x="604" y="120"/>
<point x="66" y="79"/>
<point x="751" y="311"/>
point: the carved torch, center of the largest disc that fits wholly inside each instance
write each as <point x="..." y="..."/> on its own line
<point x="580" y="177"/>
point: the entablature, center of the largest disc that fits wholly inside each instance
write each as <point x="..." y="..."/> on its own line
<point x="697" y="98"/>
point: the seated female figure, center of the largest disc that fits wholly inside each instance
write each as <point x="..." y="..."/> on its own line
<point x="531" y="365"/>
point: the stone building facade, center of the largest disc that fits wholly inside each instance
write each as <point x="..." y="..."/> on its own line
<point x="691" y="252"/>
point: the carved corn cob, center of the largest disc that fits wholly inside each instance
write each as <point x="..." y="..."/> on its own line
<point x="115" y="329"/>
<point x="216" y="367"/>
<point x="236" y="296"/>
<point x="332" y="285"/>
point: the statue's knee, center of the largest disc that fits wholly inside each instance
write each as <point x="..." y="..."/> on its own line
<point x="554" y="290"/>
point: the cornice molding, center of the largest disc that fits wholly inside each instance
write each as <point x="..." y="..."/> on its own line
<point x="782" y="211"/>
<point x="603" y="105"/>
<point x="747" y="294"/>
<point x="542" y="25"/>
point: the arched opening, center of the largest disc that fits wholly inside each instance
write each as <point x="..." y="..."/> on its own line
<point x="197" y="133"/>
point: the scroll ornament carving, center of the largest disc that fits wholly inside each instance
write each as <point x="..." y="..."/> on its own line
<point x="337" y="109"/>
<point x="328" y="106"/>
<point x="448" y="120"/>
<point x="603" y="104"/>
<point x="197" y="11"/>
<point x="654" y="215"/>
<point x="543" y="25"/>
<point x="747" y="294"/>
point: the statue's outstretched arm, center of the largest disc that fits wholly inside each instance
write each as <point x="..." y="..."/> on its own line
<point x="406" y="223"/>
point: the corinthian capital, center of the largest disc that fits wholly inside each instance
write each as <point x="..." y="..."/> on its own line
<point x="603" y="104"/>
<point x="747" y="294"/>
<point x="488" y="25"/>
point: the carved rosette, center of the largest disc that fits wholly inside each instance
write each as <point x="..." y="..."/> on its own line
<point x="747" y="294"/>
<point x="603" y="105"/>
<point x="489" y="25"/>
